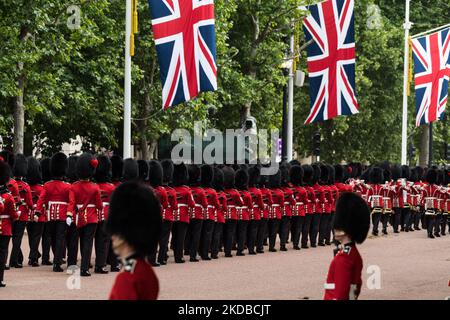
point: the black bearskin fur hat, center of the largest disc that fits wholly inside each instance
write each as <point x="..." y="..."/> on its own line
<point x="317" y="173"/>
<point x="5" y="172"/>
<point x="193" y="174"/>
<point x="130" y="170"/>
<point x="180" y="175"/>
<point x="275" y="180"/>
<point x="45" y="169"/>
<point x="352" y="216"/>
<point x="431" y="176"/>
<point x="59" y="165"/>
<point x="254" y="176"/>
<point x="155" y="173"/>
<point x="387" y="175"/>
<point x="206" y="175"/>
<point x="72" y="175"/>
<point x="308" y="173"/>
<point x="143" y="170"/>
<point x="420" y="172"/>
<point x="116" y="168"/>
<point x="440" y="177"/>
<point x="20" y="166"/>
<point x="295" y="162"/>
<point x="413" y="176"/>
<point x="218" y="179"/>
<point x="296" y="175"/>
<point x="324" y="173"/>
<point x="284" y="171"/>
<point x="9" y="158"/>
<point x="366" y="174"/>
<point x="134" y="215"/>
<point x="167" y="166"/>
<point x="103" y="172"/>
<point x="396" y="172"/>
<point x="241" y="179"/>
<point x="376" y="176"/>
<point x="406" y="172"/>
<point x="447" y="176"/>
<point x="228" y="177"/>
<point x="339" y="173"/>
<point x="34" y="173"/>
<point x="86" y="166"/>
<point x="331" y="175"/>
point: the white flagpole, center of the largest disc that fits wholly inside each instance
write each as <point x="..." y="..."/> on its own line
<point x="407" y="27"/>
<point x="290" y="113"/>
<point x="127" y="85"/>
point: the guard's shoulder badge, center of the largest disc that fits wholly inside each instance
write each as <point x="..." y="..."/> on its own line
<point x="347" y="249"/>
<point x="130" y="265"/>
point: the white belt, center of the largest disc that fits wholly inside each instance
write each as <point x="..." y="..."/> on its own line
<point x="211" y="206"/>
<point x="57" y="203"/>
<point x="105" y="204"/>
<point x="275" y="205"/>
<point x="329" y="286"/>
<point x="182" y="205"/>
<point x="4" y="216"/>
<point x="88" y="206"/>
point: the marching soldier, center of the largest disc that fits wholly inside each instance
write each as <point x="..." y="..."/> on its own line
<point x="243" y="211"/>
<point x="288" y="205"/>
<point x="8" y="215"/>
<point x="220" y="213"/>
<point x="276" y="213"/>
<point x="388" y="199"/>
<point x="256" y="213"/>
<point x="308" y="176"/>
<point x="430" y="195"/>
<point x="46" y="234"/>
<point x="318" y="208"/>
<point x="334" y="197"/>
<point x="351" y="225"/>
<point x="261" y="235"/>
<point x="301" y="198"/>
<point x="84" y="203"/>
<point x="375" y="197"/>
<point x="234" y="201"/>
<point x="325" y="219"/>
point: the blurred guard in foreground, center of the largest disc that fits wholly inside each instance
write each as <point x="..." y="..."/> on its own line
<point x="134" y="223"/>
<point x="351" y="226"/>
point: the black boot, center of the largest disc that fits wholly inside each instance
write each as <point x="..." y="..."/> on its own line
<point x="85" y="273"/>
<point x="57" y="268"/>
<point x="100" y="270"/>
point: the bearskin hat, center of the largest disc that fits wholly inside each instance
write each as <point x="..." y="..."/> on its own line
<point x="193" y="174"/>
<point x="116" y="168"/>
<point x="447" y="176"/>
<point x="167" y="166"/>
<point x="241" y="179"/>
<point x="134" y="215"/>
<point x="275" y="180"/>
<point x="356" y="169"/>
<point x="339" y="173"/>
<point x="143" y="170"/>
<point x="5" y="172"/>
<point x="284" y="172"/>
<point x="103" y="172"/>
<point x="317" y="173"/>
<point x="86" y="166"/>
<point x="206" y="175"/>
<point x="155" y="173"/>
<point x="308" y="173"/>
<point x="34" y="173"/>
<point x="228" y="177"/>
<point x="396" y="172"/>
<point x="218" y="179"/>
<point x="296" y="174"/>
<point x="45" y="169"/>
<point x="365" y="176"/>
<point x="413" y="176"/>
<point x="376" y="175"/>
<point x="440" y="177"/>
<point x="420" y="172"/>
<point x="295" y="162"/>
<point x="431" y="176"/>
<point x="180" y="175"/>
<point x="9" y="158"/>
<point x="324" y="173"/>
<point x="130" y="170"/>
<point x="58" y="165"/>
<point x="72" y="174"/>
<point x="331" y="175"/>
<point x="352" y="216"/>
<point x="254" y="176"/>
<point x="387" y="175"/>
<point x="406" y="172"/>
<point x="20" y="166"/>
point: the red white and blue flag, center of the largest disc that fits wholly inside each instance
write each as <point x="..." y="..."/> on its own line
<point x="186" y="45"/>
<point x="331" y="59"/>
<point x="432" y="73"/>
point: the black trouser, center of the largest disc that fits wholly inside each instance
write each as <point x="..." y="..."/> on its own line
<point x="34" y="230"/>
<point x="206" y="237"/>
<point x="284" y="230"/>
<point x="444" y="222"/>
<point x="417" y="219"/>
<point x="228" y="238"/>
<point x="101" y="245"/>
<point x="164" y="240"/>
<point x="112" y="259"/>
<point x="437" y="224"/>
<point x="217" y="238"/>
<point x="4" y="243"/>
<point x="72" y="245"/>
<point x="429" y="221"/>
<point x="405" y="218"/>
<point x="330" y="229"/>
<point x="179" y="230"/>
<point x="273" y="226"/>
<point x="47" y="241"/>
<point x="18" y="229"/>
<point x="384" y="221"/>
<point x="192" y="241"/>
<point x="241" y="235"/>
<point x="376" y="217"/>
<point x="261" y="234"/>
<point x="314" y="229"/>
<point x="396" y="218"/>
<point x="58" y="232"/>
<point x="252" y="233"/>
<point x="324" y="227"/>
<point x="87" y="234"/>
<point x="305" y="229"/>
<point x="296" y="229"/>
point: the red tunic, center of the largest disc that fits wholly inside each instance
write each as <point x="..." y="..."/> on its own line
<point x="213" y="203"/>
<point x="335" y="196"/>
<point x="36" y="191"/>
<point x="85" y="199"/>
<point x="185" y="203"/>
<point x="137" y="281"/>
<point x="430" y="195"/>
<point x="106" y="190"/>
<point x="320" y="198"/>
<point x="277" y="205"/>
<point x="375" y="196"/>
<point x="201" y="204"/>
<point x="26" y="201"/>
<point x="220" y="213"/>
<point x="256" y="212"/>
<point x="234" y="201"/>
<point x="344" y="275"/>
<point x="244" y="210"/>
<point x="289" y="201"/>
<point x="301" y="198"/>
<point x="54" y="200"/>
<point x="311" y="200"/>
<point x="268" y="202"/>
<point x="8" y="214"/>
<point x="173" y="203"/>
<point x="14" y="190"/>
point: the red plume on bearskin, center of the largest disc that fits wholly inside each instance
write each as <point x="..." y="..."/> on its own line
<point x="349" y="170"/>
<point x="94" y="163"/>
<point x="1" y="159"/>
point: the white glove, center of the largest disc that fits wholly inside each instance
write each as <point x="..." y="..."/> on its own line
<point x="35" y="218"/>
<point x="69" y="221"/>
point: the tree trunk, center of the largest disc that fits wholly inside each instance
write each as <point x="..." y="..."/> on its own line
<point x="424" y="146"/>
<point x="153" y="149"/>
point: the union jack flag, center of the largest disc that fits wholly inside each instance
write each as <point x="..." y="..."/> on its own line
<point x="186" y="45"/>
<point x="432" y="73"/>
<point x="331" y="59"/>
